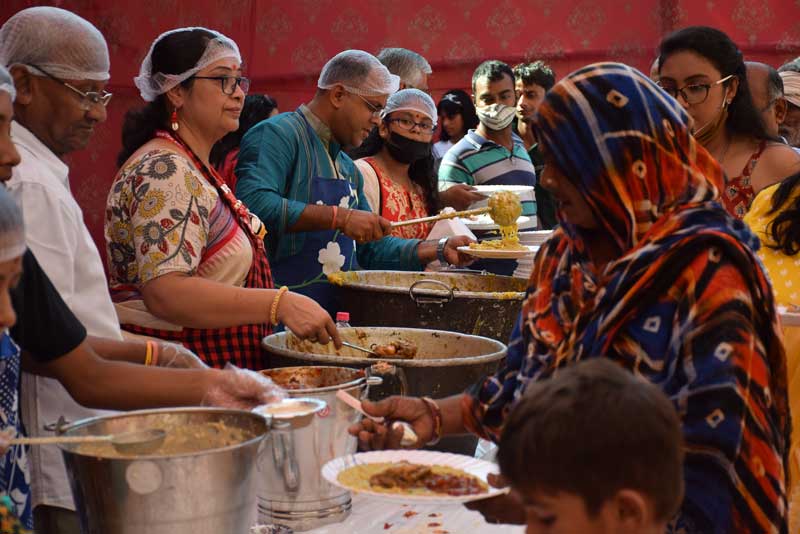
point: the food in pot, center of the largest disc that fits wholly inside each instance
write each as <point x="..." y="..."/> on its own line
<point x="396" y="349"/>
<point x="180" y="439"/>
<point x="413" y="479"/>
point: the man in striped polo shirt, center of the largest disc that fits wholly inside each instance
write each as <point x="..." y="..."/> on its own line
<point x="491" y="154"/>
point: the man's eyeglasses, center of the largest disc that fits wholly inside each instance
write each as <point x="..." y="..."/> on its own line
<point x="695" y="93"/>
<point x="376" y="110"/>
<point x="229" y="83"/>
<point x="408" y="125"/>
<point x="88" y="99"/>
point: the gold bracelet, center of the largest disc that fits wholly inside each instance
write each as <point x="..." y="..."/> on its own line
<point x="347" y="218"/>
<point x="148" y="355"/>
<point x="273" y="316"/>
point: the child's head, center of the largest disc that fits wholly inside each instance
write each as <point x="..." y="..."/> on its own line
<point x="594" y="450"/>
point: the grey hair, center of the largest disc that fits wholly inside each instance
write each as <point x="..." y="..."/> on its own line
<point x="405" y="63"/>
<point x="793" y="66"/>
<point x="12" y="227"/>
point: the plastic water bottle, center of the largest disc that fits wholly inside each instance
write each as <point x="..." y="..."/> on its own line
<point x="342" y="320"/>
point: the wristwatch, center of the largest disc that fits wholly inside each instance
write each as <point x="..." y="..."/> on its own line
<point x="440" y="251"/>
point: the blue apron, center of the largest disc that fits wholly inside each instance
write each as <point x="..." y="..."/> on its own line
<point x="324" y="251"/>
<point x="14" y="477"/>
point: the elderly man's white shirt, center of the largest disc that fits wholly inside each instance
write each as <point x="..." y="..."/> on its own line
<point x="57" y="236"/>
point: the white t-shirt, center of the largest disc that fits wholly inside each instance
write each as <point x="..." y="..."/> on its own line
<point x="372" y="186"/>
<point x="57" y="236"/>
<point x="440" y="148"/>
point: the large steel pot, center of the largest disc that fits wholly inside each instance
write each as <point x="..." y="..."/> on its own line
<point x="300" y="497"/>
<point x="207" y="492"/>
<point x="446" y="364"/>
<point x="479" y="304"/>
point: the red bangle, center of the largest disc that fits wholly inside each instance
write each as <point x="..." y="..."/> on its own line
<point x="436" y="413"/>
<point x="333" y="222"/>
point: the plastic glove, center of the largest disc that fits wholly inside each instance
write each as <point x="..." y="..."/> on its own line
<point x="241" y="389"/>
<point x="6" y="436"/>
<point x="178" y="356"/>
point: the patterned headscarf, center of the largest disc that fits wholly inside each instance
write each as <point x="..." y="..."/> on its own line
<point x="625" y="144"/>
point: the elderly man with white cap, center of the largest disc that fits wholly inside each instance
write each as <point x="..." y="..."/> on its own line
<point x="790" y="127"/>
<point x="60" y="66"/>
<point x="294" y="175"/>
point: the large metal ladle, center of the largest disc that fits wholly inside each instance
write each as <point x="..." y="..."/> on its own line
<point x="130" y="443"/>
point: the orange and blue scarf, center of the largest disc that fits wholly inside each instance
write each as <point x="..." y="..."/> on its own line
<point x="686" y="304"/>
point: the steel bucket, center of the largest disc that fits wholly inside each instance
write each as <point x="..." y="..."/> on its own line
<point x="292" y="490"/>
<point x="446" y="364"/>
<point x="206" y="492"/>
<point x="478" y="304"/>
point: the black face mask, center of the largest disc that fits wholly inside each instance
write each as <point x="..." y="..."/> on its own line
<point x="406" y="150"/>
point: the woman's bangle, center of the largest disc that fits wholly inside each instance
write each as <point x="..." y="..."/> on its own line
<point x="333" y="221"/>
<point x="436" y="413"/>
<point x="156" y="349"/>
<point x="273" y="316"/>
<point x="148" y="354"/>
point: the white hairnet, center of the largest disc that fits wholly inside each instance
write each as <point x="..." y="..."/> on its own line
<point x="407" y="64"/>
<point x="59" y="41"/>
<point x="359" y="73"/>
<point x="7" y="83"/>
<point x="151" y="84"/>
<point x="12" y="229"/>
<point x="411" y="100"/>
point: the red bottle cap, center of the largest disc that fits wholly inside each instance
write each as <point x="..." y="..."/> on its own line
<point x="342" y="317"/>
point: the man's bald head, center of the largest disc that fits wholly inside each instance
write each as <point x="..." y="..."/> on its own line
<point x="766" y="89"/>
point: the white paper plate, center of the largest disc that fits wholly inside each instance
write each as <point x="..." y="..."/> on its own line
<point x="473" y="466"/>
<point x="789" y="318"/>
<point x="491" y="189"/>
<point x="499" y="254"/>
<point x="535" y="237"/>
<point x="485" y="222"/>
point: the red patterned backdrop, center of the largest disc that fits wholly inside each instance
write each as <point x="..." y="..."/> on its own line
<point x="284" y="44"/>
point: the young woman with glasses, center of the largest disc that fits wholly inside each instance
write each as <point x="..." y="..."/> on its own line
<point x="397" y="163"/>
<point x="704" y="70"/>
<point x="186" y="258"/>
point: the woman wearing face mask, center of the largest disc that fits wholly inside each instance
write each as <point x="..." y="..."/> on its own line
<point x="397" y="165"/>
<point x="704" y="70"/>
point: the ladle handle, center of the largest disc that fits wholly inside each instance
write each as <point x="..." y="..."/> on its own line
<point x="433" y="218"/>
<point x="356" y="405"/>
<point x="50" y="440"/>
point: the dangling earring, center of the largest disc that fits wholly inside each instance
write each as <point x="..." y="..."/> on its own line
<point x="174" y="120"/>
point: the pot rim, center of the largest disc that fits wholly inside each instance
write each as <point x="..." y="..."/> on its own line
<point x="270" y="344"/>
<point x="457" y="293"/>
<point x="82" y="423"/>
<point x="360" y="382"/>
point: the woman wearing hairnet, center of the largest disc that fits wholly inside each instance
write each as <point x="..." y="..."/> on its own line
<point x="186" y="258"/>
<point x="397" y="163"/>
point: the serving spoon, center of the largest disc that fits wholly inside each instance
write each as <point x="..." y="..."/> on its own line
<point x="409" y="436"/>
<point x="134" y="442"/>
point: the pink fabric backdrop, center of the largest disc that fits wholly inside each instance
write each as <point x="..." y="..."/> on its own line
<point x="285" y="44"/>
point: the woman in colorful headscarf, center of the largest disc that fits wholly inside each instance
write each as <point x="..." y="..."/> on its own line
<point x="649" y="270"/>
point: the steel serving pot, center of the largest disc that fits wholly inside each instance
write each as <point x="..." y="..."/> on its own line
<point x="206" y="492"/>
<point x="446" y="362"/>
<point x="292" y="490"/>
<point x="478" y="304"/>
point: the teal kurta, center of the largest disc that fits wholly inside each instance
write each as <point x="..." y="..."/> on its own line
<point x="274" y="174"/>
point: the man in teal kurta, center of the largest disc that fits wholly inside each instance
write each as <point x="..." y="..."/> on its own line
<point x="293" y="174"/>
